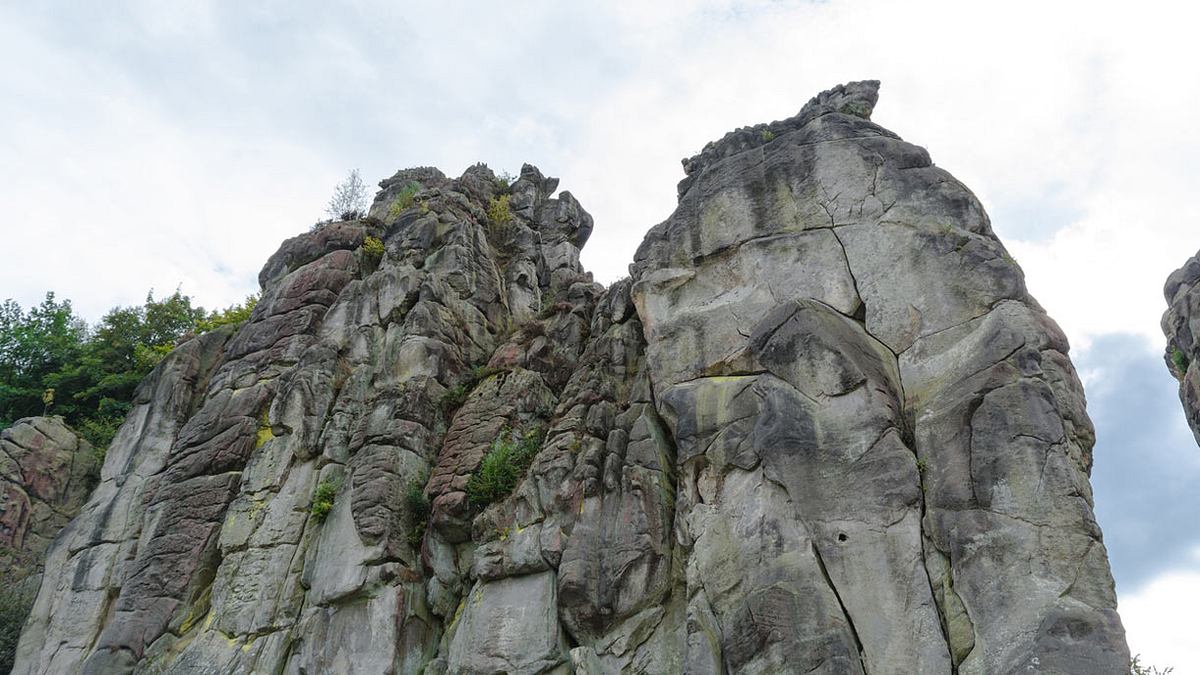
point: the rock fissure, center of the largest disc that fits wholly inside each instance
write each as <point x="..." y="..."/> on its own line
<point x="845" y="612"/>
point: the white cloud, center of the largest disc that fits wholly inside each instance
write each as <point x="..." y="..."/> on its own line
<point x="1160" y="621"/>
<point x="1082" y="103"/>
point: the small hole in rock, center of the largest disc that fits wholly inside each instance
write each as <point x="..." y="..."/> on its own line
<point x="842" y="537"/>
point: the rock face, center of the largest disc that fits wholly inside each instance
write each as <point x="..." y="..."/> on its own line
<point x="1181" y="325"/>
<point x="46" y="473"/>
<point x="821" y="428"/>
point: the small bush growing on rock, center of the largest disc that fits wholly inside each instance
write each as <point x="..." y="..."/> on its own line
<point x="499" y="218"/>
<point x="233" y="314"/>
<point x="454" y="398"/>
<point x="418" y="512"/>
<point x="323" y="499"/>
<point x="403" y="200"/>
<point x="372" y="249"/>
<point x="349" y="199"/>
<point x="99" y="431"/>
<point x="1180" y="360"/>
<point x="503" y="466"/>
<point x="768" y="135"/>
<point x="504" y="181"/>
<point x="457" y="395"/>
<point x="1136" y="668"/>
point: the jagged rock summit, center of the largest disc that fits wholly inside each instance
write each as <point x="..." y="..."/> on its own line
<point x="822" y="428"/>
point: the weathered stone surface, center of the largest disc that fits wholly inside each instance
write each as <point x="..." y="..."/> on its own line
<point x="821" y="428"/>
<point x="46" y="473"/>
<point x="920" y="419"/>
<point x="508" y="626"/>
<point x="1181" y="325"/>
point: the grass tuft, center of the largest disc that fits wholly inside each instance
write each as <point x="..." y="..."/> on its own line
<point x="503" y="466"/>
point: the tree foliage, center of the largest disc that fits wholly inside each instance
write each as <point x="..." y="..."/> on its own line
<point x="52" y="362"/>
<point x="33" y="346"/>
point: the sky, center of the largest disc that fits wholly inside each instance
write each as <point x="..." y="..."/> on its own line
<point x="155" y="145"/>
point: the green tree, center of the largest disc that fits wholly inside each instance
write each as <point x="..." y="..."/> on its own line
<point x="95" y="390"/>
<point x="232" y="314"/>
<point x="51" y="362"/>
<point x="34" y="345"/>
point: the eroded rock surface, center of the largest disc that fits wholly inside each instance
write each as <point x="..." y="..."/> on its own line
<point x="1181" y="325"/>
<point x="821" y="428"/>
<point x="46" y="473"/>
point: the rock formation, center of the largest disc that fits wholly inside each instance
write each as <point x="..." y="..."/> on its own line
<point x="1181" y="325"/>
<point x="46" y="473"/>
<point x="822" y="428"/>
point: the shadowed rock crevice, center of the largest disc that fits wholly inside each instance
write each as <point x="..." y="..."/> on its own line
<point x="849" y="620"/>
<point x="822" y="427"/>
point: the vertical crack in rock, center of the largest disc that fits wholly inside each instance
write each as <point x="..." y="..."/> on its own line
<point x="909" y="440"/>
<point x="849" y="620"/>
<point x="462" y="455"/>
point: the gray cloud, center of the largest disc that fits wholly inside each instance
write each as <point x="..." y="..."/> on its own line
<point x="1147" y="465"/>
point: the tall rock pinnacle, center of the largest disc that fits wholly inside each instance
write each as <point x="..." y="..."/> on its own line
<point x="822" y="428"/>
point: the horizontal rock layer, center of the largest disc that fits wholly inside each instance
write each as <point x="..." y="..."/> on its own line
<point x="821" y="428"/>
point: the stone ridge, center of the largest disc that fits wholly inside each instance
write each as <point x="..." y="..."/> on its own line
<point x="1182" y="292"/>
<point x="821" y="428"/>
<point x="853" y="98"/>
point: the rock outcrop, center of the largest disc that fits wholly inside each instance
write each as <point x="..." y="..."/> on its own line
<point x="821" y="428"/>
<point x="46" y="474"/>
<point x="1181" y="325"/>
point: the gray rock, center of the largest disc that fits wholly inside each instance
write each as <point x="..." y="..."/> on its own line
<point x="1181" y="325"/>
<point x="508" y="626"/>
<point x="46" y="473"/>
<point x="821" y="428"/>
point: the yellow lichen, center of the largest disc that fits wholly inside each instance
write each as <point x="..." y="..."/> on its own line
<point x="197" y="611"/>
<point x="264" y="432"/>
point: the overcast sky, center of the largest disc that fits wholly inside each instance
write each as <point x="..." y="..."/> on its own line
<point x="162" y="144"/>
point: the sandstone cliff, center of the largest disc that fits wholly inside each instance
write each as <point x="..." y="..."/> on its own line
<point x="46" y="473"/>
<point x="821" y="428"/>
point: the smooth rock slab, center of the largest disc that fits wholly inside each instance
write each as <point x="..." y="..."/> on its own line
<point x="509" y="626"/>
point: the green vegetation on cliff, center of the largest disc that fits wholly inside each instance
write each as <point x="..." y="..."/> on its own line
<point x="504" y="466"/>
<point x="52" y="362"/>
